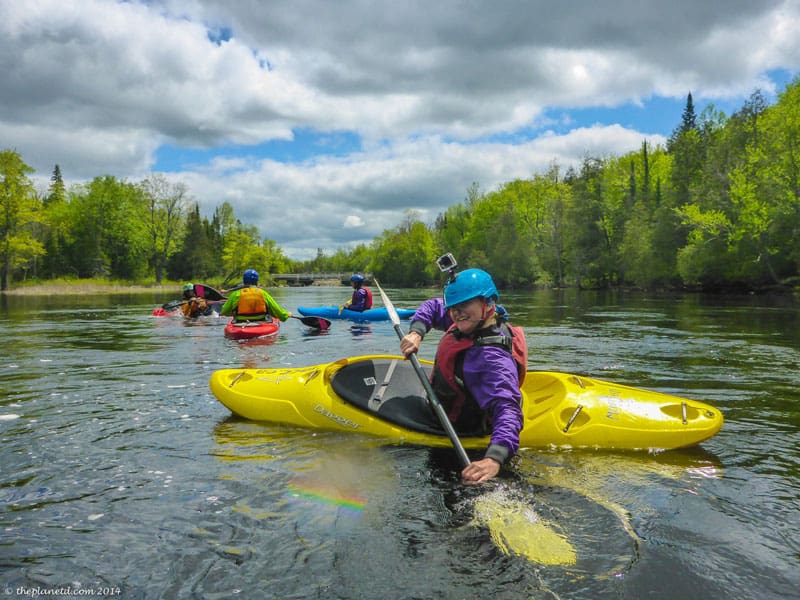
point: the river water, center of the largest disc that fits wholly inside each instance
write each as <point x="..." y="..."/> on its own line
<point x="122" y="476"/>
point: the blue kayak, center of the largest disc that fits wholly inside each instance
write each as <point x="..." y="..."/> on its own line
<point x="337" y="312"/>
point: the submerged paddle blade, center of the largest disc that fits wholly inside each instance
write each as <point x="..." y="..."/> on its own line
<point x="314" y="322"/>
<point x="517" y="530"/>
<point x="317" y="323"/>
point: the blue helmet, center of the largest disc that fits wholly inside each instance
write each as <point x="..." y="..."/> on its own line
<point x="357" y="277"/>
<point x="250" y="277"/>
<point x="469" y="284"/>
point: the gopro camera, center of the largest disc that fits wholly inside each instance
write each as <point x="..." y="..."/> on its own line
<point x="446" y="262"/>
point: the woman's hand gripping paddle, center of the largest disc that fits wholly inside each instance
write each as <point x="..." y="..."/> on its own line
<point x="432" y="399"/>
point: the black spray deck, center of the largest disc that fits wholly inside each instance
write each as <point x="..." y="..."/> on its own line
<point x="390" y="389"/>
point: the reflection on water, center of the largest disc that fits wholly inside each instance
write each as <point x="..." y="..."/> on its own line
<point x="111" y="440"/>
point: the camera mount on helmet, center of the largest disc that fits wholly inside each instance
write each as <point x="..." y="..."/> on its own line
<point x="447" y="264"/>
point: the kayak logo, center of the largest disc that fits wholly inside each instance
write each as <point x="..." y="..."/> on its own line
<point x="614" y="407"/>
<point x="343" y="421"/>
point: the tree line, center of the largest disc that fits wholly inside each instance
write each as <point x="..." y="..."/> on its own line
<point x="717" y="208"/>
<point x="114" y="229"/>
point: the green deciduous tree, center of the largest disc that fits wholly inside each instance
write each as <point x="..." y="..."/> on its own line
<point x="405" y="256"/>
<point x="541" y="205"/>
<point x="589" y="245"/>
<point x="108" y="236"/>
<point x="244" y="249"/>
<point x="20" y="210"/>
<point x="165" y="205"/>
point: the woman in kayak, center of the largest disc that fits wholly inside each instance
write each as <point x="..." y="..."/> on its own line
<point x="252" y="303"/>
<point x="192" y="306"/>
<point x="362" y="295"/>
<point x="480" y="364"/>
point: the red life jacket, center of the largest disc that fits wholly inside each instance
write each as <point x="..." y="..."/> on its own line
<point x="447" y="379"/>
<point x="368" y="303"/>
<point x="251" y="304"/>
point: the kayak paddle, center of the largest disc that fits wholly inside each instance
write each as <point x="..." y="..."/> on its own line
<point x="169" y="306"/>
<point x="508" y="521"/>
<point x="432" y="399"/>
<point x="315" y="322"/>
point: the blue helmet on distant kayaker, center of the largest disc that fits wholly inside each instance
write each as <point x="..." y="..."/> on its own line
<point x="356" y="278"/>
<point x="469" y="284"/>
<point x="250" y="277"/>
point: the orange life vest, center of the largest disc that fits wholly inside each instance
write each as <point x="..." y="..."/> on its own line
<point x="251" y="304"/>
<point x="194" y="307"/>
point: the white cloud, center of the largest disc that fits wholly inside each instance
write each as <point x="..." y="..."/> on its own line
<point x="426" y="90"/>
<point x="352" y="222"/>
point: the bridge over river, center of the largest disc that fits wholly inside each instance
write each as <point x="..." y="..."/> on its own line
<point x="298" y="279"/>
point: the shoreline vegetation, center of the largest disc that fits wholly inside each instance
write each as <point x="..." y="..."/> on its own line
<point x="714" y="209"/>
<point x="91" y="286"/>
<point x="80" y="287"/>
<point x="88" y="288"/>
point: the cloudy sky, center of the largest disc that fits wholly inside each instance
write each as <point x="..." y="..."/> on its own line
<point x="322" y="121"/>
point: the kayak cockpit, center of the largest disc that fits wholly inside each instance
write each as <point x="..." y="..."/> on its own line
<point x="390" y="389"/>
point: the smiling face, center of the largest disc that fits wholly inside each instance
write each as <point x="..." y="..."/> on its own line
<point x="469" y="315"/>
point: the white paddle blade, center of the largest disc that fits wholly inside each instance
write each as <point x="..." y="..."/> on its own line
<point x="388" y="304"/>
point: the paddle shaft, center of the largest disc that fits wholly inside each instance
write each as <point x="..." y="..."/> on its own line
<point x="175" y="304"/>
<point x="432" y="399"/>
<point x="436" y="405"/>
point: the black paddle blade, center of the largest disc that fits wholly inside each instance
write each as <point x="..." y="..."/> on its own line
<point x="208" y="292"/>
<point x="315" y="322"/>
<point x="172" y="305"/>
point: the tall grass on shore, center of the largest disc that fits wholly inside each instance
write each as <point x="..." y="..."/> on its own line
<point x="90" y="286"/>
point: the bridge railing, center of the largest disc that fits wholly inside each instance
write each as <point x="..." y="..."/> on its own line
<point x="307" y="278"/>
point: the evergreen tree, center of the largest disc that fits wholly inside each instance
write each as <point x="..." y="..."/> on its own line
<point x="54" y="235"/>
<point x="196" y="259"/>
<point x="58" y="191"/>
<point x="688" y="118"/>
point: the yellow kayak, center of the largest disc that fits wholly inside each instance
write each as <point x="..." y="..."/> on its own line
<point x="382" y="396"/>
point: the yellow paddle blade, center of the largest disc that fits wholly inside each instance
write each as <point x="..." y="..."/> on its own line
<point x="517" y="530"/>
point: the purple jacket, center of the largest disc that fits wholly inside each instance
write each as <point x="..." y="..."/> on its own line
<point x="359" y="300"/>
<point x="490" y="375"/>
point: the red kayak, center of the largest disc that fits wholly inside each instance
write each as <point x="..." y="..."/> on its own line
<point x="247" y="330"/>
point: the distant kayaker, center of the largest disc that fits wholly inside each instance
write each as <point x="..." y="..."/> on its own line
<point x="252" y="303"/>
<point x="362" y="295"/>
<point x="480" y="364"/>
<point x="191" y="305"/>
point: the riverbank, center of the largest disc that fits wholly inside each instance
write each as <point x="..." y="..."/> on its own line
<point x="87" y="288"/>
